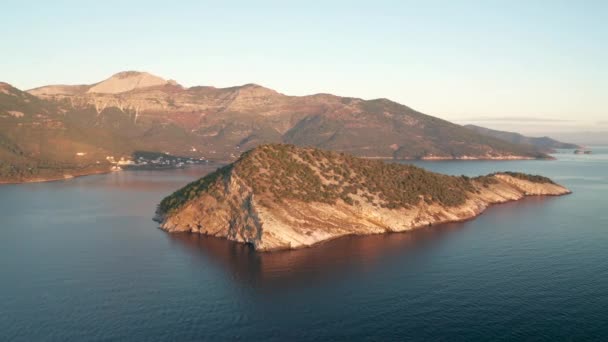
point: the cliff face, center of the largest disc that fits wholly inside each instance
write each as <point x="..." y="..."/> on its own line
<point x="282" y="197"/>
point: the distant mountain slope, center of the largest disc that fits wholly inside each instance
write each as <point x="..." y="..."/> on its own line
<point x="38" y="141"/>
<point x="138" y="111"/>
<point x="545" y="144"/>
<point x="225" y="121"/>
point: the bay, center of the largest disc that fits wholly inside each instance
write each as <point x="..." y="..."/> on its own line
<point x="82" y="259"/>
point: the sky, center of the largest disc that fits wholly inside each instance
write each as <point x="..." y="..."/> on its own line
<point x="529" y="65"/>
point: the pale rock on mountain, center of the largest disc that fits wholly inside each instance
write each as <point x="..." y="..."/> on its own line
<point x="127" y="81"/>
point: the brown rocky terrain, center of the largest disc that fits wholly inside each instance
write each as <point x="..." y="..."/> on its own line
<point x="226" y="121"/>
<point x="284" y="197"/>
<point x="60" y="130"/>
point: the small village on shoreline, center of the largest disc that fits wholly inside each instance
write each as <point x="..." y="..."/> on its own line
<point x="153" y="161"/>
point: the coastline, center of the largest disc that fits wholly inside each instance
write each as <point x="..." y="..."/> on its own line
<point x="99" y="172"/>
<point x="422" y="226"/>
<point x="219" y="163"/>
<point x="464" y="158"/>
<point x="56" y="179"/>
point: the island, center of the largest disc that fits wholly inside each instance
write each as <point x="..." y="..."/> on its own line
<point x="280" y="196"/>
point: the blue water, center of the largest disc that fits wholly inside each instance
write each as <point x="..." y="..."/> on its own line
<point x="82" y="260"/>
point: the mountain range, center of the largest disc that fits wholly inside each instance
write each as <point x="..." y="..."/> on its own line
<point x="60" y="130"/>
<point x="545" y="144"/>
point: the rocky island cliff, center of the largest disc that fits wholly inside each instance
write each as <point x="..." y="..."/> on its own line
<point x="285" y="197"/>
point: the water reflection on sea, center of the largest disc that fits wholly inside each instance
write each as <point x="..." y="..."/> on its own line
<point x="82" y="259"/>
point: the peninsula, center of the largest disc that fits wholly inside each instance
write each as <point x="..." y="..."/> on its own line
<point x="285" y="197"/>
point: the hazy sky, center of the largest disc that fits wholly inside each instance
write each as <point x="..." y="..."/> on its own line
<point x="460" y="60"/>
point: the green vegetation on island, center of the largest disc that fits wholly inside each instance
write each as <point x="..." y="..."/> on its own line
<point x="527" y="177"/>
<point x="281" y="172"/>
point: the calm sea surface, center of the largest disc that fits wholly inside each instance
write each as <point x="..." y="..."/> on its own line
<point x="83" y="260"/>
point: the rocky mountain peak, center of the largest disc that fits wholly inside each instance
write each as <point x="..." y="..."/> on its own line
<point x="252" y="93"/>
<point x="6" y="88"/>
<point x="128" y="74"/>
<point x="126" y="81"/>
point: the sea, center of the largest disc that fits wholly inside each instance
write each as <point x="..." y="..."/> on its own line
<point x="82" y="260"/>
